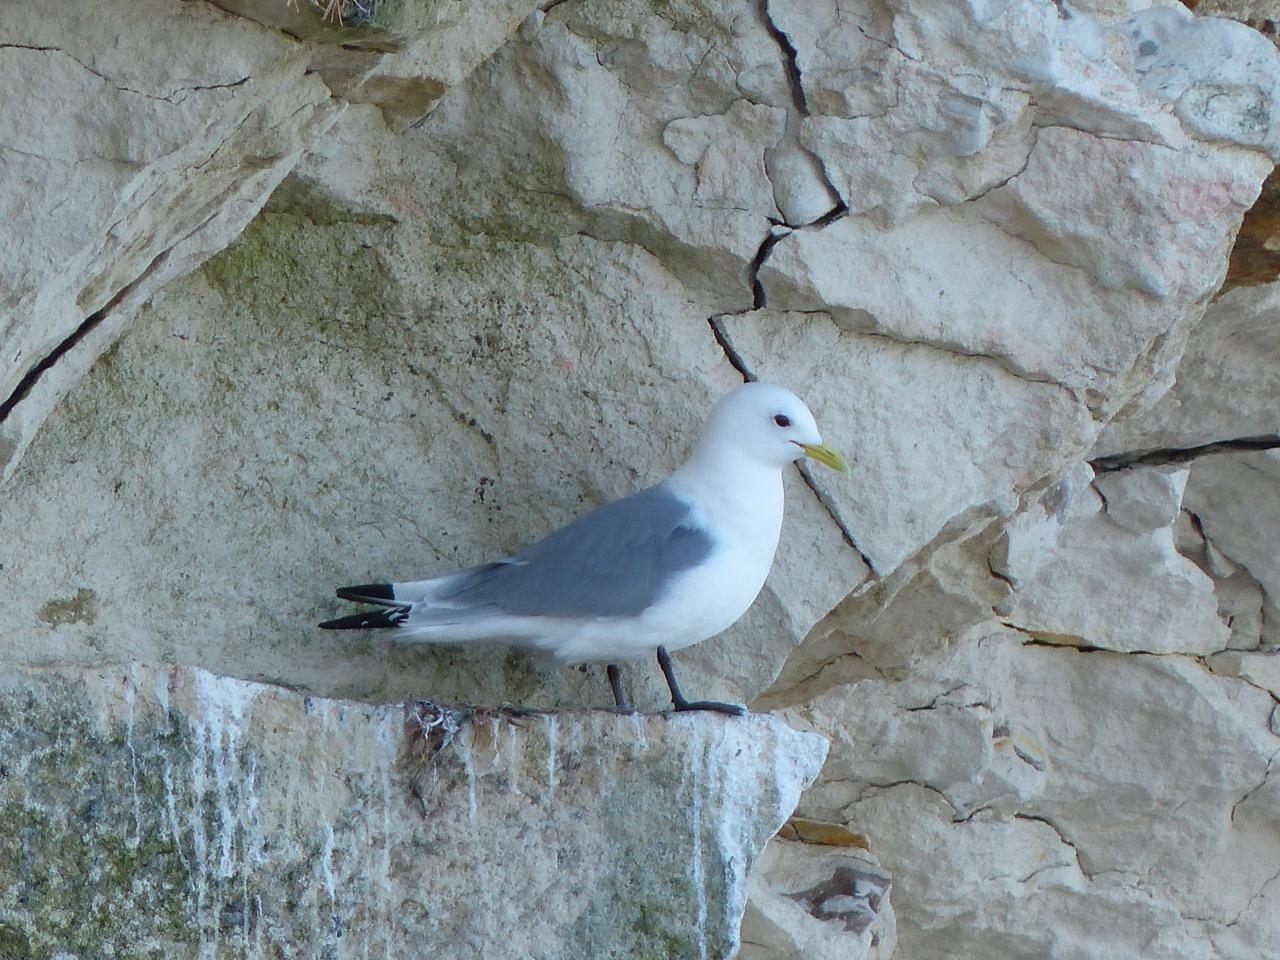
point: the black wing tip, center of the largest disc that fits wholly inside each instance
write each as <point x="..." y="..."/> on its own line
<point x="369" y="620"/>
<point x="368" y="593"/>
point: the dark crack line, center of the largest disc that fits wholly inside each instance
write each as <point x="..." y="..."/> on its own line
<point x="90" y="323"/>
<point x="167" y="98"/>
<point x="933" y="704"/>
<point x="1036" y="639"/>
<point x="1171" y="455"/>
<point x="27" y="383"/>
<point x="1254" y="789"/>
<point x="730" y="352"/>
<point x="1003" y="577"/>
<point x="1036" y="818"/>
<point x="790" y="59"/>
<point x="872" y="786"/>
<point x="1249" y="904"/>
<point x="837" y="212"/>
<point x="1034" y="137"/>
<point x="830" y="507"/>
<point x="889" y="44"/>
<point x="758" y="298"/>
<point x="795" y="83"/>
<point x="76" y="60"/>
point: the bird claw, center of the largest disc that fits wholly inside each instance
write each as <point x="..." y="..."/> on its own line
<point x="715" y="706"/>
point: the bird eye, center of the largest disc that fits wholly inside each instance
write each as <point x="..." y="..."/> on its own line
<point x="782" y="420"/>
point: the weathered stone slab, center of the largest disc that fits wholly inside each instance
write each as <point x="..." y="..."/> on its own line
<point x="168" y="812"/>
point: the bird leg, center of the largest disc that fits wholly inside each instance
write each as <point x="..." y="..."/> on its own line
<point x="615" y="684"/>
<point x="678" y="702"/>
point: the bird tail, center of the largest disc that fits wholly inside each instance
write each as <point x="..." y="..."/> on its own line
<point x="369" y="620"/>
<point x="383" y="594"/>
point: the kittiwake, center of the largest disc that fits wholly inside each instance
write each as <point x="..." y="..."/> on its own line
<point x="659" y="570"/>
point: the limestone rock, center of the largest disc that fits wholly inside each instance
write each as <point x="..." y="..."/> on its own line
<point x="819" y="902"/>
<point x="161" y="130"/>
<point x="948" y="131"/>
<point x="1116" y="578"/>
<point x="1227" y="384"/>
<point x="1031" y="537"/>
<point x="658" y="129"/>
<point x="1139" y="816"/>
<point x="1234" y="497"/>
<point x="98" y="171"/>
<point x="406" y="86"/>
<point x="1260" y="669"/>
<point x="172" y="812"/>
<point x="486" y="301"/>
<point x="893" y="408"/>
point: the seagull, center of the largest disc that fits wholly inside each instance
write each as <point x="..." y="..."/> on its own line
<point x="659" y="570"/>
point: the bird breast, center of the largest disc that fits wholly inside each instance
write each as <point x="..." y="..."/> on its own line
<point x="708" y="598"/>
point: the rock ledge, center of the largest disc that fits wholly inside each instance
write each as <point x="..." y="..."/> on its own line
<point x="168" y="811"/>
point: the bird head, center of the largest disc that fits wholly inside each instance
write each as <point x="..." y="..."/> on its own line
<point x="769" y="424"/>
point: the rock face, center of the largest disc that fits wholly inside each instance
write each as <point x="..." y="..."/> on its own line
<point x="98" y="175"/>
<point x="162" y="813"/>
<point x="491" y="266"/>
<point x="164" y="129"/>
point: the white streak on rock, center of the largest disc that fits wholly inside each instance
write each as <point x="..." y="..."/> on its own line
<point x="130" y="697"/>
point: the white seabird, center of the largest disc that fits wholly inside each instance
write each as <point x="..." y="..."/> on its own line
<point x="659" y="570"/>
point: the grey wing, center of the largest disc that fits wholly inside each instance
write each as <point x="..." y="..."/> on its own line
<point x="613" y="562"/>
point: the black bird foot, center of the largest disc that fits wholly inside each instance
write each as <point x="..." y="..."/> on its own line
<point x="715" y="706"/>
<point x="680" y="704"/>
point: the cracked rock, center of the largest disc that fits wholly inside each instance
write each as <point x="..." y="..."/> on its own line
<point x="98" y="172"/>
<point x="1129" y="833"/>
<point x="1227" y="383"/>
<point x="1218" y="485"/>
<point x="819" y="902"/>
<point x="1117" y="580"/>
<point x="327" y="287"/>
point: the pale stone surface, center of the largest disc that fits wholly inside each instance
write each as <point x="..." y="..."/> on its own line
<point x="1117" y="580"/>
<point x="1260" y="669"/>
<point x="159" y="132"/>
<point x="97" y="170"/>
<point x="525" y="436"/>
<point x="1227" y="384"/>
<point x="1236" y="499"/>
<point x="407" y="86"/>
<point x="1030" y="538"/>
<point x="660" y="128"/>
<point x="896" y="410"/>
<point x="1016" y="791"/>
<point x="223" y="818"/>
<point x="952" y="132"/>
<point x="981" y="230"/>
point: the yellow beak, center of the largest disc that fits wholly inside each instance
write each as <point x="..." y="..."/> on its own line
<point x="826" y="456"/>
